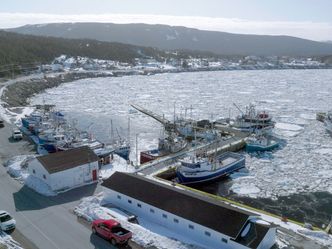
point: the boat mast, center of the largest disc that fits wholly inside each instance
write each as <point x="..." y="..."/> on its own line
<point x="112" y="132"/>
<point x="195" y="147"/>
<point x="215" y="153"/>
<point x="128" y="130"/>
<point x="136" y="150"/>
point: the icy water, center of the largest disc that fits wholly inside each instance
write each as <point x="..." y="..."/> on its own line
<point x="295" y="180"/>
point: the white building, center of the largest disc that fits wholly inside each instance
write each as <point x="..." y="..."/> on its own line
<point x="66" y="169"/>
<point x="211" y="223"/>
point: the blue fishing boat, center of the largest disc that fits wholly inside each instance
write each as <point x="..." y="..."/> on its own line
<point x="29" y="122"/>
<point x="260" y="143"/>
<point x="123" y="151"/>
<point x="196" y="170"/>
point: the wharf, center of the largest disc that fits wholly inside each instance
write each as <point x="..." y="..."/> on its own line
<point x="231" y="143"/>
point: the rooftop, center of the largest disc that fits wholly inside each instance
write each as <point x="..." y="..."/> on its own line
<point x="216" y="215"/>
<point x="68" y="159"/>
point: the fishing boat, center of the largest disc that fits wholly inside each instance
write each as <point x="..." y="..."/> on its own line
<point x="328" y="122"/>
<point x="253" y="121"/>
<point x="122" y="149"/>
<point x="189" y="128"/>
<point x="196" y="170"/>
<point x="257" y="143"/>
<point x="29" y="122"/>
<point x="171" y="144"/>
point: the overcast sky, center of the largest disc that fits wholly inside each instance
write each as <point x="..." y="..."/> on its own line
<point x="310" y="19"/>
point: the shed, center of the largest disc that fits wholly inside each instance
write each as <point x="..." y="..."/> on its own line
<point x="213" y="223"/>
<point x="66" y="169"/>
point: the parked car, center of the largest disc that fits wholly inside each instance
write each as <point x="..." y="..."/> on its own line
<point x="112" y="231"/>
<point x="6" y="221"/>
<point x="2" y="123"/>
<point x="17" y="134"/>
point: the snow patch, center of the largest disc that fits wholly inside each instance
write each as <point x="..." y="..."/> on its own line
<point x="17" y="167"/>
<point x="117" y="164"/>
<point x="8" y="241"/>
<point x="145" y="233"/>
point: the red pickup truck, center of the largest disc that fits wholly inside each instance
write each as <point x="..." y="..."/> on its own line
<point x="111" y="230"/>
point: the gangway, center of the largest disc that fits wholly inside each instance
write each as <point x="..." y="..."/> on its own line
<point x="161" y="119"/>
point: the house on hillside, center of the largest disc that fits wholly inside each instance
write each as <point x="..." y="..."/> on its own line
<point x="66" y="169"/>
<point x="209" y="222"/>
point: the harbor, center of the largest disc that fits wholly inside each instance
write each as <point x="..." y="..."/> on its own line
<point x="203" y="137"/>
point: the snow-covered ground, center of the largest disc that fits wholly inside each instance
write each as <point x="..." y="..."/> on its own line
<point x="8" y="241"/>
<point x="17" y="168"/>
<point x="117" y="164"/>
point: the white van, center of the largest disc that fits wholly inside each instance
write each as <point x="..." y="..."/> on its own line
<point x="17" y="134"/>
<point x="6" y="221"/>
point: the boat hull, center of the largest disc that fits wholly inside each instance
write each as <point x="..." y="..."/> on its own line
<point x="150" y="155"/>
<point x="51" y="148"/>
<point x="258" y="148"/>
<point x="123" y="153"/>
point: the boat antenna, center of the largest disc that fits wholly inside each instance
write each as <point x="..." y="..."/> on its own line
<point x="195" y="145"/>
<point x="117" y="132"/>
<point x="128" y="129"/>
<point x="174" y="113"/>
<point x="112" y="132"/>
<point x="238" y="108"/>
<point x="136" y="150"/>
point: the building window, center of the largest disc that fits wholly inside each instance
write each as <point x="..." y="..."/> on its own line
<point x="139" y="205"/>
<point x="224" y="240"/>
<point x="33" y="171"/>
<point x="119" y="197"/>
<point x="207" y="233"/>
<point x="165" y="216"/>
<point x="191" y="226"/>
<point x="129" y="201"/>
<point x="44" y="176"/>
<point x="151" y="210"/>
<point x="176" y="220"/>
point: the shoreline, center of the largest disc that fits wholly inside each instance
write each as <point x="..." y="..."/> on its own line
<point x="19" y="92"/>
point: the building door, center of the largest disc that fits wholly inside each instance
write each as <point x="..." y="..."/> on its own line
<point x="94" y="175"/>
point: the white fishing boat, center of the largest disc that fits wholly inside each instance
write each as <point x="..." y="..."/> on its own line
<point x="253" y="121"/>
<point x="168" y="145"/>
<point x="196" y="170"/>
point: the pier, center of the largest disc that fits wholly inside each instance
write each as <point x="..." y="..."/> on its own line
<point x="233" y="140"/>
<point x="233" y="143"/>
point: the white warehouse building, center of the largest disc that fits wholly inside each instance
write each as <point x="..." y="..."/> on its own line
<point x="208" y="222"/>
<point x="66" y="169"/>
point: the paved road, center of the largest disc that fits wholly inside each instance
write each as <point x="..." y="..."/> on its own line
<point x="43" y="222"/>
